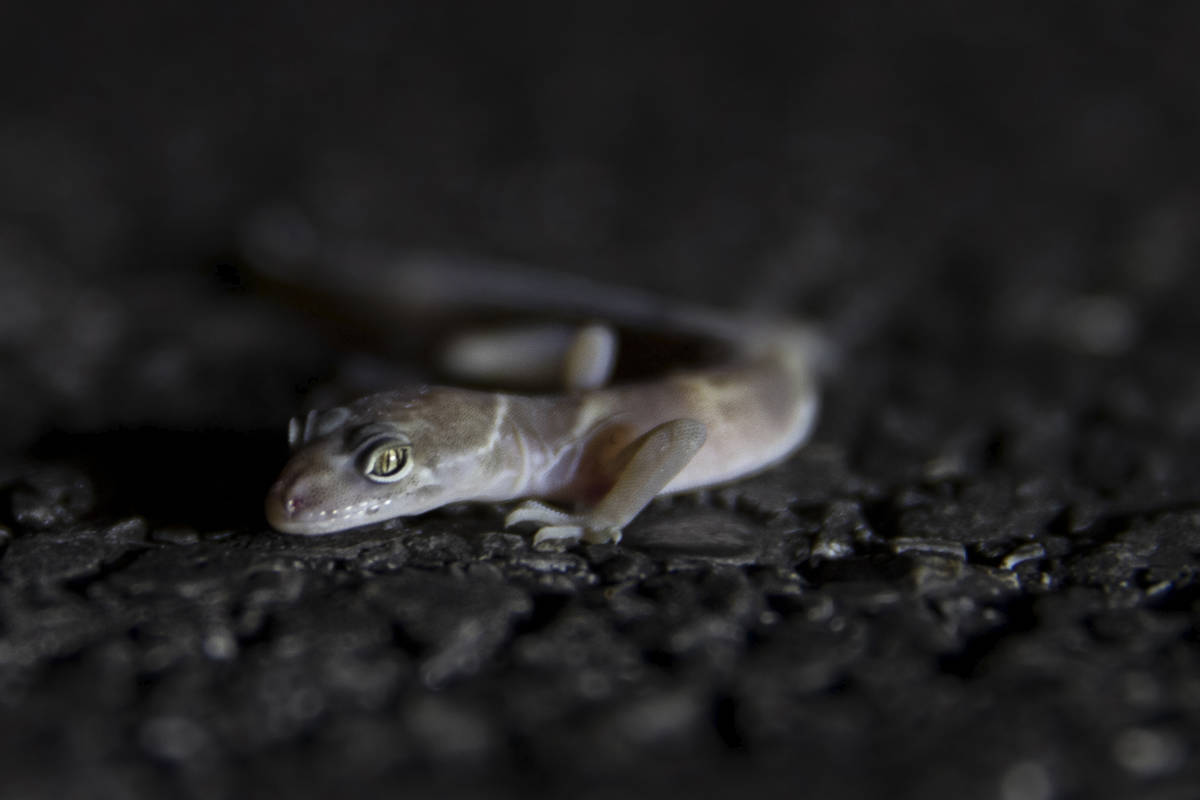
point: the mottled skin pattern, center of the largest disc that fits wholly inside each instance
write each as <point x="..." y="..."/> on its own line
<point x="603" y="452"/>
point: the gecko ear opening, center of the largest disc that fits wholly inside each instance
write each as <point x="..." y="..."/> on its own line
<point x="387" y="461"/>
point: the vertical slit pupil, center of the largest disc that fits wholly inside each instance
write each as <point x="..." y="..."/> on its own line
<point x="390" y="461"/>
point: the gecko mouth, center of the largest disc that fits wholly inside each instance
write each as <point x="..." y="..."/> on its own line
<point x="290" y="509"/>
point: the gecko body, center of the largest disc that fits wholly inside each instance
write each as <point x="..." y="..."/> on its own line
<point x="603" y="452"/>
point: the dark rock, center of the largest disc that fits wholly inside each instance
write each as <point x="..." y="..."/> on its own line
<point x="432" y="549"/>
<point x="457" y="626"/>
<point x="52" y="497"/>
<point x="619" y="564"/>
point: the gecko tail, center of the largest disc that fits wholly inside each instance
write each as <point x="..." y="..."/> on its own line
<point x="374" y="280"/>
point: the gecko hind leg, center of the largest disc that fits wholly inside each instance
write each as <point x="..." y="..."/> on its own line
<point x="650" y="462"/>
<point x="590" y="358"/>
<point x="534" y="356"/>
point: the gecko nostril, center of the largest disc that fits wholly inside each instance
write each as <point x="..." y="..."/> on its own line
<point x="286" y="497"/>
<point x="290" y="503"/>
<point x="294" y="499"/>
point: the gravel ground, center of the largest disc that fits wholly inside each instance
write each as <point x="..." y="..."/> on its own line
<point x="979" y="580"/>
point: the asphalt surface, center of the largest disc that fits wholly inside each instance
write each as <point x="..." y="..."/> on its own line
<point x="978" y="580"/>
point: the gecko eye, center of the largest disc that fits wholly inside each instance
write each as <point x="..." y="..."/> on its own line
<point x="387" y="461"/>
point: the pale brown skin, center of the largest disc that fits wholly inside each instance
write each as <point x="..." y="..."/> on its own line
<point x="605" y="452"/>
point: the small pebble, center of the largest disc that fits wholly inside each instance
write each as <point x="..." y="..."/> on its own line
<point x="937" y="547"/>
<point x="175" y="535"/>
<point x="52" y="497"/>
<point x="1034" y="551"/>
<point x="832" y="545"/>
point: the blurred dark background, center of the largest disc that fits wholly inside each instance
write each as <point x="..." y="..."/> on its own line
<point x="993" y="208"/>
<point x="997" y="160"/>
<point x="596" y="135"/>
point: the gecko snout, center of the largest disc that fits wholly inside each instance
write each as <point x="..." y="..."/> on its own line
<point x="285" y="503"/>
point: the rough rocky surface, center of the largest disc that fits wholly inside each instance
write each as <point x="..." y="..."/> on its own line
<point x="980" y="580"/>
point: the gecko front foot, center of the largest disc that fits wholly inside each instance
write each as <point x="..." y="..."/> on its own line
<point x="575" y="533"/>
<point x="555" y="525"/>
<point x="540" y="513"/>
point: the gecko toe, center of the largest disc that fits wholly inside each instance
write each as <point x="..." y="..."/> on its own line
<point x="557" y="533"/>
<point x="539" y="513"/>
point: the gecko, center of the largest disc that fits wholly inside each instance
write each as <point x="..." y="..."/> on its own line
<point x="583" y="461"/>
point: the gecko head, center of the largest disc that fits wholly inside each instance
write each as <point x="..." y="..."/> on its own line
<point x="348" y="468"/>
